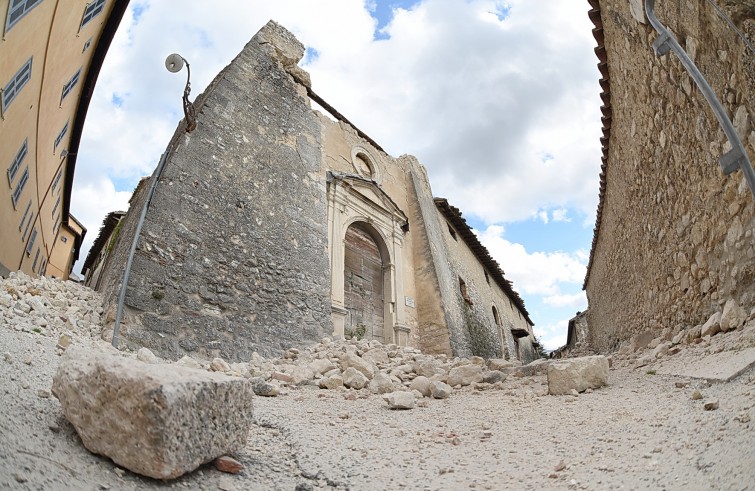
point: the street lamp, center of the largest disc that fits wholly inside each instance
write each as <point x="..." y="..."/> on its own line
<point x="174" y="63"/>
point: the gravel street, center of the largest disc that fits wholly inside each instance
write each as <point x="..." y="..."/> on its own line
<point x="643" y="431"/>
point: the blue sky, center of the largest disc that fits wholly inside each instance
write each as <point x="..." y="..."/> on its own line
<point x="498" y="99"/>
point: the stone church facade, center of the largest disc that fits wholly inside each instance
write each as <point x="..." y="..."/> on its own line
<point x="273" y="225"/>
<point x="674" y="238"/>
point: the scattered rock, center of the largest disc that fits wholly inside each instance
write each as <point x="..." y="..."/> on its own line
<point x="577" y="374"/>
<point x="661" y="350"/>
<point x="350" y="360"/>
<point x="147" y="356"/>
<point x="440" y="390"/>
<point x="560" y="466"/>
<point x="400" y="400"/>
<point x="354" y="379"/>
<point x="263" y="388"/>
<point x="733" y="316"/>
<point x="228" y="464"/>
<point x="27" y="359"/>
<point x="499" y="364"/>
<point x="642" y="340"/>
<point x="219" y="365"/>
<point x="697" y="395"/>
<point x="381" y="384"/>
<point x="375" y="356"/>
<point x="710" y="405"/>
<point x="493" y="377"/>
<point x="422" y="385"/>
<point x="7" y="357"/>
<point x="188" y="362"/>
<point x="166" y="420"/>
<point x="321" y="366"/>
<point x="43" y="393"/>
<point x="712" y="326"/>
<point x="332" y="382"/>
<point x="282" y="377"/>
<point x="64" y="341"/>
<point x="302" y="375"/>
<point x="465" y="375"/>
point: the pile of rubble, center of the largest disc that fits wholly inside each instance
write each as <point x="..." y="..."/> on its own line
<point x="122" y="403"/>
<point x="732" y="329"/>
<point x="49" y="307"/>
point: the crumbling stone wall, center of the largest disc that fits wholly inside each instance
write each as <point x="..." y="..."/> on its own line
<point x="232" y="256"/>
<point x="675" y="236"/>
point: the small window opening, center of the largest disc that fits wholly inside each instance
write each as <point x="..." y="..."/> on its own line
<point x="464" y="293"/>
<point x="452" y="231"/>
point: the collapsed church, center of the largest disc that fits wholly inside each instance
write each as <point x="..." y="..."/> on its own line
<point x="273" y="225"/>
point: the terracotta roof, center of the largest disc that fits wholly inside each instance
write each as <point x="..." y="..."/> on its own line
<point x="605" y="109"/>
<point x="453" y="215"/>
<point x="108" y="225"/>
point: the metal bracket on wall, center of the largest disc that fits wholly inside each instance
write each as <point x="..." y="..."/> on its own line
<point x="734" y="159"/>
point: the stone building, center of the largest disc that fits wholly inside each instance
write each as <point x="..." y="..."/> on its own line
<point x="50" y="57"/>
<point x="674" y="238"/>
<point x="273" y="225"/>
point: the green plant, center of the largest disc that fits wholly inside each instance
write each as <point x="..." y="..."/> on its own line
<point x="37" y="330"/>
<point x="355" y="333"/>
<point x="158" y="294"/>
<point x="114" y="236"/>
<point x="650" y="372"/>
<point x="360" y="331"/>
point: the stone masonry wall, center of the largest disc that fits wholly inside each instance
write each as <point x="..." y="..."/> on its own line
<point x="477" y="330"/>
<point x="676" y="238"/>
<point x="232" y="257"/>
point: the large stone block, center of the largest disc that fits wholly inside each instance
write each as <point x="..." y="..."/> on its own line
<point x="160" y="421"/>
<point x="578" y="374"/>
<point x="733" y="316"/>
<point x="465" y="375"/>
<point x="350" y="360"/>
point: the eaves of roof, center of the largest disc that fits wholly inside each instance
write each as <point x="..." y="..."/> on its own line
<point x="605" y="109"/>
<point x="108" y="225"/>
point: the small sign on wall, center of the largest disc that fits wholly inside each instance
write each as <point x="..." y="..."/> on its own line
<point x="409" y="301"/>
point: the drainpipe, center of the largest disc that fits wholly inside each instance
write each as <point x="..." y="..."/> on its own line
<point x="734" y="159"/>
<point x="127" y="272"/>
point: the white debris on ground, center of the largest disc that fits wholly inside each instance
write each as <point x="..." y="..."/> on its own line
<point x="364" y="415"/>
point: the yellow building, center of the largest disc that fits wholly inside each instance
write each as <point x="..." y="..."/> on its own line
<point x="51" y="53"/>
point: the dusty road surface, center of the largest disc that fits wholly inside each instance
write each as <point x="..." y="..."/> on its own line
<point x="643" y="431"/>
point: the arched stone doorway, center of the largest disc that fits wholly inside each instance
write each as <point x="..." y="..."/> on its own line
<point x="365" y="223"/>
<point x="364" y="282"/>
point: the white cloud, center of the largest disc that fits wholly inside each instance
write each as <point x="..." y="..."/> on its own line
<point x="553" y="335"/>
<point x="577" y="301"/>
<point x="559" y="215"/>
<point x="536" y="273"/>
<point x="543" y="216"/>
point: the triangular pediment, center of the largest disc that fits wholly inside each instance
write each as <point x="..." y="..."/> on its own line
<point x="371" y="192"/>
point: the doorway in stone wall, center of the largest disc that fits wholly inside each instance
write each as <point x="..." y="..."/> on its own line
<point x="364" y="282"/>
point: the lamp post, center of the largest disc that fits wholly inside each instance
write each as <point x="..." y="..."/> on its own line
<point x="174" y="63"/>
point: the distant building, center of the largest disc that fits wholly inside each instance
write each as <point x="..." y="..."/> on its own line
<point x="273" y="225"/>
<point x="102" y="245"/>
<point x="50" y="57"/>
